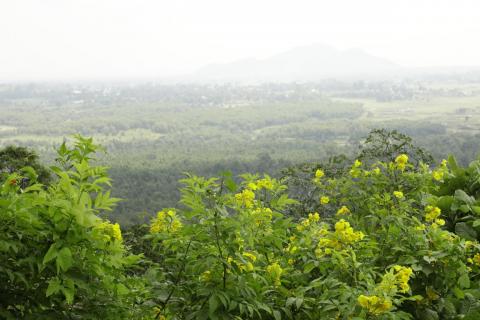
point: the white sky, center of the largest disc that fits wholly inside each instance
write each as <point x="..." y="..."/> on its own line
<point x="54" y="39"/>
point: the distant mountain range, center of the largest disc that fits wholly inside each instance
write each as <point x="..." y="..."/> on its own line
<point x="307" y="63"/>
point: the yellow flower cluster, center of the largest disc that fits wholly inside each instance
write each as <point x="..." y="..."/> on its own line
<point x="319" y="174"/>
<point x="375" y="305"/>
<point x="475" y="259"/>
<point x="205" y="276"/>
<point x="265" y="183"/>
<point x="402" y="276"/>
<point x="394" y="280"/>
<point x="305" y="223"/>
<point x="166" y="221"/>
<point x="324" y="200"/>
<point x="401" y="161"/>
<point x="398" y="194"/>
<point x="355" y="171"/>
<point x="110" y="231"/>
<point x="314" y="217"/>
<point x="245" y="198"/>
<point x="250" y="256"/>
<point x="248" y="266"/>
<point x="343" y="236"/>
<point x="343" y="211"/>
<point x="431" y="215"/>
<point x="439" y="173"/>
<point x="274" y="272"/>
<point x="345" y="233"/>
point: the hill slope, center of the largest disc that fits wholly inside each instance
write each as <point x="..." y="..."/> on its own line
<point x="305" y="63"/>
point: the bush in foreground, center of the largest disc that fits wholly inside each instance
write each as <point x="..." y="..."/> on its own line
<point x="388" y="240"/>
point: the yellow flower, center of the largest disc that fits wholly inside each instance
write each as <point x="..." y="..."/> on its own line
<point x="343" y="211"/>
<point x="250" y="256"/>
<point x="265" y="183"/>
<point x="444" y="163"/>
<point x="401" y="161"/>
<point x="437" y="175"/>
<point x="398" y="194"/>
<point x="432" y="213"/>
<point x="420" y="227"/>
<point x="249" y="266"/>
<point x="376" y="170"/>
<point x="306" y="223"/>
<point x="274" y="272"/>
<point x="245" y="198"/>
<point x="476" y="259"/>
<point x="375" y="305"/>
<point x="357" y="163"/>
<point x="319" y="173"/>
<point x="345" y="234"/>
<point x="355" y="172"/>
<point x="324" y="200"/>
<point x="403" y="276"/>
<point x="110" y="231"/>
<point x="314" y="217"/>
<point x="166" y="222"/>
<point x="117" y="233"/>
<point x="205" y="276"/>
<point x="252" y="186"/>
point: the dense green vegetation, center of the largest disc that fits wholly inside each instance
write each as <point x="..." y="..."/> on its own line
<point x="384" y="237"/>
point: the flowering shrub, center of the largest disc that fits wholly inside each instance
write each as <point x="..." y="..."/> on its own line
<point x="376" y="248"/>
<point x="387" y="240"/>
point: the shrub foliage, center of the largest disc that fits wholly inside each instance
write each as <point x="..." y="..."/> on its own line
<point x="384" y="239"/>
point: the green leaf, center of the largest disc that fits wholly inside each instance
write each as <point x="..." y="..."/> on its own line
<point x="465" y="231"/>
<point x="64" y="259"/>
<point x="54" y="286"/>
<point x="51" y="254"/>
<point x="68" y="290"/>
<point x="452" y="163"/>
<point x="462" y="196"/>
<point x="464" y="281"/>
<point x="277" y="315"/>
<point x="429" y="314"/>
<point x="212" y="304"/>
<point x="121" y="289"/>
<point x="458" y="293"/>
<point x="309" y="266"/>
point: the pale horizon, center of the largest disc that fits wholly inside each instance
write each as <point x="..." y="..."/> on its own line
<point x="55" y="40"/>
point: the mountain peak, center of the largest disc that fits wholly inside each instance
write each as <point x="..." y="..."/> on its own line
<point x="305" y="63"/>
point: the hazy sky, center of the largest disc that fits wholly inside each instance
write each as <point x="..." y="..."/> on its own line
<point x="51" y="39"/>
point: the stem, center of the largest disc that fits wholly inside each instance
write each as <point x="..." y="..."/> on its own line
<point x="219" y="248"/>
<point x="177" y="280"/>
